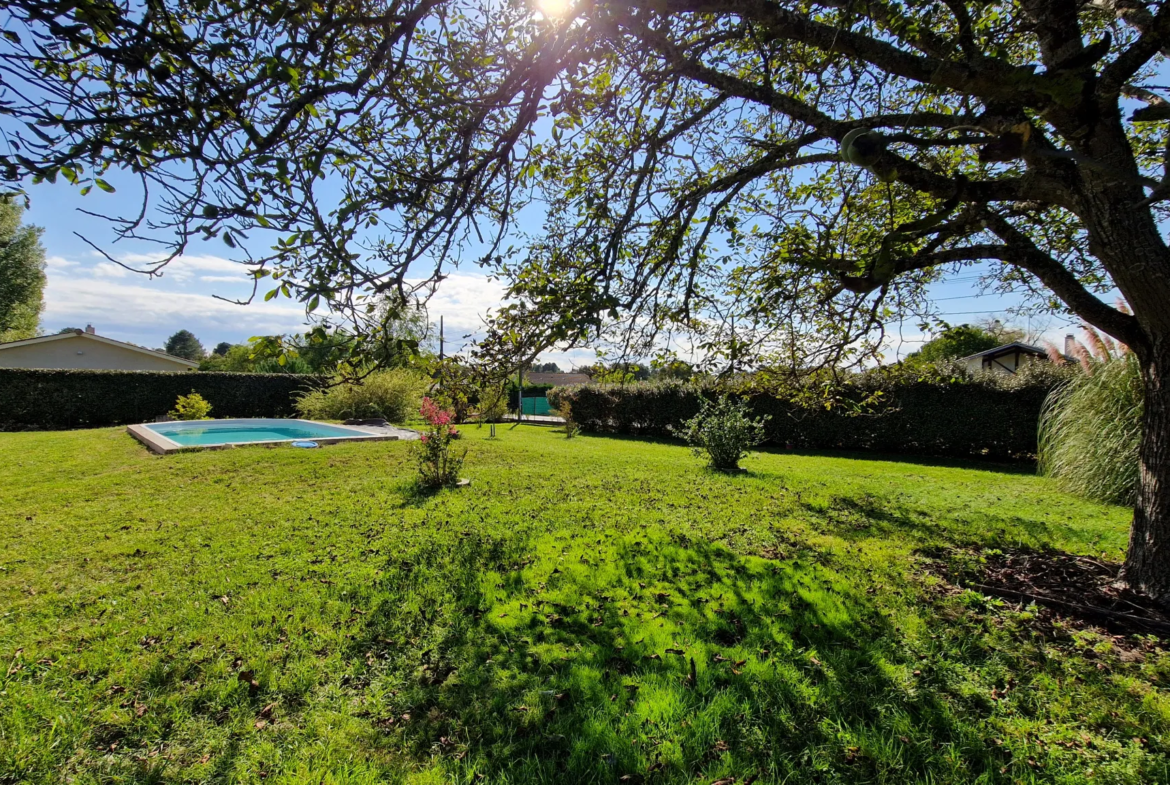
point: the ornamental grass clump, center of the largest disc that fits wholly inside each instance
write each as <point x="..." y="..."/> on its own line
<point x="438" y="461"/>
<point x="724" y="432"/>
<point x="1091" y="427"/>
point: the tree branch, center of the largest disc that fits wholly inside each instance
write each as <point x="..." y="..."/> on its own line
<point x="1021" y="251"/>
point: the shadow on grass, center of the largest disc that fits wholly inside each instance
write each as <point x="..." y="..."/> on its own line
<point x="1022" y="467"/>
<point x="577" y="658"/>
<point x="973" y="462"/>
<point x="867" y="516"/>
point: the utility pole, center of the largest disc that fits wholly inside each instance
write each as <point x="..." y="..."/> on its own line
<point x="734" y="350"/>
<point x="440" y="337"/>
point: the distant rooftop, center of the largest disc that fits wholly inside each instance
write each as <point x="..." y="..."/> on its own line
<point x="1007" y="348"/>
<point x="557" y="378"/>
<point x="90" y="333"/>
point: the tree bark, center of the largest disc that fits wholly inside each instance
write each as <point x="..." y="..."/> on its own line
<point x="1129" y="243"/>
<point x="1147" y="563"/>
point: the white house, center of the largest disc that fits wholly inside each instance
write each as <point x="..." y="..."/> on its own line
<point x="85" y="350"/>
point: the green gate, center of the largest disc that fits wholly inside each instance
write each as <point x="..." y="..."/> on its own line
<point x="535" y="405"/>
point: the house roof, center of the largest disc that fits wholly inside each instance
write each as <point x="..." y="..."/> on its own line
<point x="91" y="337"/>
<point x="556" y="378"/>
<point x="1007" y="348"/>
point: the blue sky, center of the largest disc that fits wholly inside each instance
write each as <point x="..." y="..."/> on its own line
<point x="85" y="288"/>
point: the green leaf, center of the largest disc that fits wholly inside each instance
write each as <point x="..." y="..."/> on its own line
<point x="100" y="183"/>
<point x="272" y="294"/>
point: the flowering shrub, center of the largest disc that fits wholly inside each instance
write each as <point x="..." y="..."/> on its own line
<point x="724" y="431"/>
<point x="438" y="461"/>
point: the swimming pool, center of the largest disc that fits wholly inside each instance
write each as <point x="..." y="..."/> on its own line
<point x="165" y="437"/>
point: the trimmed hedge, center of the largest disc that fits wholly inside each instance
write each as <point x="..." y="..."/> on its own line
<point x="956" y="417"/>
<point x="89" y="399"/>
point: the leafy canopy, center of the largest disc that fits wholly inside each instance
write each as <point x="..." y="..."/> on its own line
<point x="779" y="179"/>
<point x="184" y="344"/>
<point x="956" y="342"/>
<point x="22" y="274"/>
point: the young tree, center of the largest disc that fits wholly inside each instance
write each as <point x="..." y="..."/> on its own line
<point x="184" y="344"/>
<point x="802" y="170"/>
<point x="22" y="274"/>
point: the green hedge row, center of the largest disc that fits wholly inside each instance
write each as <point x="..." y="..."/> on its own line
<point x="956" y="417"/>
<point x="80" y="399"/>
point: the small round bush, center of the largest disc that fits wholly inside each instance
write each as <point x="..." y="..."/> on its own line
<point x="724" y="431"/>
<point x="191" y="407"/>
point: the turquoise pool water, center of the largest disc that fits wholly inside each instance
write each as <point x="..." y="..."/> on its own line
<point x="204" y="433"/>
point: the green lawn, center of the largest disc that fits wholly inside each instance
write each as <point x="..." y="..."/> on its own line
<point x="594" y="610"/>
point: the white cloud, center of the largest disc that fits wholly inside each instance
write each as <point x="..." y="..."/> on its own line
<point x="187" y="266"/>
<point x="464" y="300"/>
<point x="145" y="312"/>
<point x="128" y="306"/>
<point x="59" y="262"/>
<point x="109" y="270"/>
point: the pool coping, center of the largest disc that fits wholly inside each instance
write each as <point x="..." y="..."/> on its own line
<point x="161" y="445"/>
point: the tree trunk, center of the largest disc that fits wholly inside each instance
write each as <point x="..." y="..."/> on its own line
<point x="1147" y="564"/>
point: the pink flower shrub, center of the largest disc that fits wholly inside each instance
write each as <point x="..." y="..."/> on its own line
<point x="438" y="462"/>
<point x="433" y="414"/>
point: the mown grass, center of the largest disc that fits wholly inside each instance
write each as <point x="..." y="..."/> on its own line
<point x="595" y="610"/>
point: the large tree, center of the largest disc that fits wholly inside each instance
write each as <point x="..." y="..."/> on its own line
<point x="184" y="344"/>
<point x="782" y="178"/>
<point x="22" y="274"/>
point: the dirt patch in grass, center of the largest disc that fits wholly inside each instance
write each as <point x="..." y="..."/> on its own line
<point x="1079" y="590"/>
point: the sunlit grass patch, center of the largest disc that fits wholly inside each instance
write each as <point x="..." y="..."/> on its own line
<point x="589" y="610"/>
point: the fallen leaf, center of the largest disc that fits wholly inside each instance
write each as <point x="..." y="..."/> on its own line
<point x="249" y="678"/>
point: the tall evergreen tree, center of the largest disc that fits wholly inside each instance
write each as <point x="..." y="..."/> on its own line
<point x="184" y="344"/>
